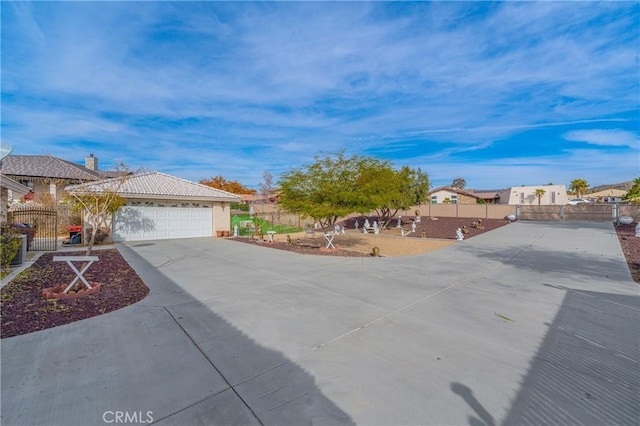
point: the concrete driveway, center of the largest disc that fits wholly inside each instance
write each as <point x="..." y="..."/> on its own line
<point x="532" y="323"/>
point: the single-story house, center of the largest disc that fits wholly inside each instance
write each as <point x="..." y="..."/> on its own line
<point x="451" y="195"/>
<point x="161" y="206"/>
<point x="526" y="195"/>
<point x="48" y="174"/>
<point x="608" y="195"/>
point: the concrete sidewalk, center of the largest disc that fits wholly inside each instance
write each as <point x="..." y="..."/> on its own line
<point x="530" y="323"/>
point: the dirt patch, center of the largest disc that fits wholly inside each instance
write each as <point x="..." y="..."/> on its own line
<point x="631" y="247"/>
<point x="440" y="233"/>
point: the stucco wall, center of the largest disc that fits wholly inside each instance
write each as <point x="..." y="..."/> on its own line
<point x="526" y="195"/>
<point x="221" y="216"/>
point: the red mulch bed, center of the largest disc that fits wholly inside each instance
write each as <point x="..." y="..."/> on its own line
<point x="631" y="248"/>
<point x="24" y="310"/>
<point x="443" y="228"/>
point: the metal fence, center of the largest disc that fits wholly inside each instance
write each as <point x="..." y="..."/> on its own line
<point x="279" y="221"/>
<point x="580" y="212"/>
<point x="39" y="224"/>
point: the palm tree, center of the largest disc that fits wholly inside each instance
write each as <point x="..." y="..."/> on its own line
<point x="539" y="193"/>
<point x="633" y="194"/>
<point x="579" y="186"/>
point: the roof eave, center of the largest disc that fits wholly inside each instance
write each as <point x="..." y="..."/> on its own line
<point x="168" y="197"/>
<point x="14" y="186"/>
<point x="179" y="197"/>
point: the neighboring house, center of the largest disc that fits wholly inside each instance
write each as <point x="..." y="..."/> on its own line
<point x="48" y="174"/>
<point x="253" y="198"/>
<point x="9" y="185"/>
<point x="260" y="198"/>
<point x="608" y="196"/>
<point x="161" y="206"/>
<point x="490" y="196"/>
<point x="453" y="195"/>
<point x="526" y="195"/>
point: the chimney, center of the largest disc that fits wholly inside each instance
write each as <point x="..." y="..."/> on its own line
<point x="91" y="162"/>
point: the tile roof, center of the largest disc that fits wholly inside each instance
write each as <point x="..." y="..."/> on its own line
<point x="608" y="193"/>
<point x="487" y="195"/>
<point x="156" y="185"/>
<point x="452" y="189"/>
<point x="46" y="166"/>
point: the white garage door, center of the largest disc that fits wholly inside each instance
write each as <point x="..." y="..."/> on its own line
<point x="159" y="223"/>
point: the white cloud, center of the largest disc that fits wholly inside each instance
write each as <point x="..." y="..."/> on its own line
<point x="206" y="82"/>
<point x="605" y="137"/>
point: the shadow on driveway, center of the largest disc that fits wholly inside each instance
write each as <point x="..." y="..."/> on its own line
<point x="167" y="359"/>
<point x="275" y="389"/>
<point x="587" y="370"/>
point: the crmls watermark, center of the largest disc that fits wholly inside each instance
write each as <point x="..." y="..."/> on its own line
<point x="127" y="417"/>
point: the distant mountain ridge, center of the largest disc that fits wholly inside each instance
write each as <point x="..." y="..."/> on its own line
<point x="625" y="186"/>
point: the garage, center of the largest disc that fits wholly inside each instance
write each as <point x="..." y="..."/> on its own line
<point x="160" y="206"/>
<point x="168" y="222"/>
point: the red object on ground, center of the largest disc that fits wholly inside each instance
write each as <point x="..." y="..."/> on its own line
<point x="74" y="228"/>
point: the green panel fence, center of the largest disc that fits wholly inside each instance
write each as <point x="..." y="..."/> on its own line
<point x="248" y="225"/>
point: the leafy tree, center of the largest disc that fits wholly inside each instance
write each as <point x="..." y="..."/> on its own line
<point x="322" y="190"/>
<point x="579" y="186"/>
<point x="633" y="194"/>
<point x="386" y="191"/>
<point x="232" y="186"/>
<point x="336" y="186"/>
<point x="98" y="202"/>
<point x="539" y="193"/>
<point x="459" y="183"/>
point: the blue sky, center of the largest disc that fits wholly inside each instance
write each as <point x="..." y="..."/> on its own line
<point x="501" y="94"/>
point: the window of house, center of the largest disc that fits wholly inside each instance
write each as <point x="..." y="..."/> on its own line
<point x="454" y="199"/>
<point x="553" y="198"/>
<point x="29" y="184"/>
<point x="522" y="198"/>
<point x="434" y="199"/>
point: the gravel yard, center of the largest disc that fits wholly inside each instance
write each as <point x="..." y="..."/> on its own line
<point x="439" y="233"/>
<point x="631" y="247"/>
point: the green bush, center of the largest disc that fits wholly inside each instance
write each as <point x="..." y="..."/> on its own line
<point x="9" y="246"/>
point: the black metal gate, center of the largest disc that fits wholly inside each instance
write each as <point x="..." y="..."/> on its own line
<point x="39" y="224"/>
